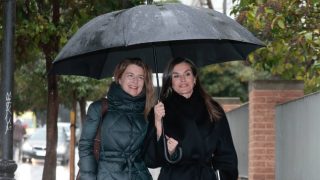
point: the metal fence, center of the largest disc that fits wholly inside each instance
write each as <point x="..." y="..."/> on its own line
<point x="239" y="124"/>
<point x="298" y="139"/>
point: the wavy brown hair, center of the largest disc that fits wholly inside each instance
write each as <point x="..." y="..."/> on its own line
<point x="213" y="108"/>
<point x="148" y="85"/>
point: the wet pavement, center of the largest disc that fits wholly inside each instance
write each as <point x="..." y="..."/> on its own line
<point x="33" y="170"/>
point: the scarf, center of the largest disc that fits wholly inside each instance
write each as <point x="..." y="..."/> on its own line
<point x="118" y="99"/>
<point x="182" y="112"/>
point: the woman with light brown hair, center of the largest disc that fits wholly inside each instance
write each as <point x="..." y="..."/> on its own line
<point x="123" y="128"/>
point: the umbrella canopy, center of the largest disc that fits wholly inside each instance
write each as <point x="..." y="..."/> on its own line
<point x="154" y="32"/>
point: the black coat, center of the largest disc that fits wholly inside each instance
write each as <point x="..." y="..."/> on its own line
<point x="205" y="145"/>
<point x="122" y="134"/>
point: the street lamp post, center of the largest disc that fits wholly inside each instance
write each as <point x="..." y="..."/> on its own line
<point x="7" y="165"/>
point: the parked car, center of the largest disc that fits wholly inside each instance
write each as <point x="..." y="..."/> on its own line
<point x="66" y="127"/>
<point x="35" y="146"/>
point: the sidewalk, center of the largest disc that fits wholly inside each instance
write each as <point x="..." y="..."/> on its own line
<point x="34" y="170"/>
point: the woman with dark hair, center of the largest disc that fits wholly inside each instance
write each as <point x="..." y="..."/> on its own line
<point x="194" y="122"/>
<point x="123" y="127"/>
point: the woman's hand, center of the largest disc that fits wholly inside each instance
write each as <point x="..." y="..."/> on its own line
<point x="159" y="113"/>
<point x="172" y="145"/>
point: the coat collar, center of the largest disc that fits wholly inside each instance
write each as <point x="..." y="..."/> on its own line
<point x="120" y="100"/>
<point x="185" y="113"/>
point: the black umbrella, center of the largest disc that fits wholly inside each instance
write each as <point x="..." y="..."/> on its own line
<point x="156" y="34"/>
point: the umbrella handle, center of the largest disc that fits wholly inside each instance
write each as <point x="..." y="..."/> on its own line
<point x="166" y="154"/>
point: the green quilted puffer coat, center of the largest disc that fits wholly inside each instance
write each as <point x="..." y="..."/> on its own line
<point x="122" y="133"/>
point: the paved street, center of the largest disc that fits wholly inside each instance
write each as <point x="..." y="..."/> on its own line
<point x="33" y="170"/>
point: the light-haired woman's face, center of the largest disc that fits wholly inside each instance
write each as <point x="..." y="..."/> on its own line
<point x="132" y="80"/>
<point x="183" y="79"/>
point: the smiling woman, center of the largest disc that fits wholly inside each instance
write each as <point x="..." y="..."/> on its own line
<point x="132" y="80"/>
<point x="183" y="80"/>
<point x="122" y="129"/>
<point x="197" y="134"/>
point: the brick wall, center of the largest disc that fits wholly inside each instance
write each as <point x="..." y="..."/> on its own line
<point x="264" y="95"/>
<point x="228" y="103"/>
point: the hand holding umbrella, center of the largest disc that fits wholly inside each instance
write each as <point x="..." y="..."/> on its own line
<point x="170" y="144"/>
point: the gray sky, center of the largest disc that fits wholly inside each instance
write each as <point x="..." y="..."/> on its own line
<point x="217" y="4"/>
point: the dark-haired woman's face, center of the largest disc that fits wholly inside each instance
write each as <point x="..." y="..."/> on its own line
<point x="183" y="79"/>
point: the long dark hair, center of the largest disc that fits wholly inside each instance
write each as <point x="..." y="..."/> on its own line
<point x="214" y="110"/>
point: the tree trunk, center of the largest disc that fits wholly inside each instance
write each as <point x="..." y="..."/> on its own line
<point x="82" y="104"/>
<point x="41" y="117"/>
<point x="50" y="49"/>
<point x="209" y="3"/>
<point x="73" y="120"/>
<point x="49" y="170"/>
<point x="125" y="4"/>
